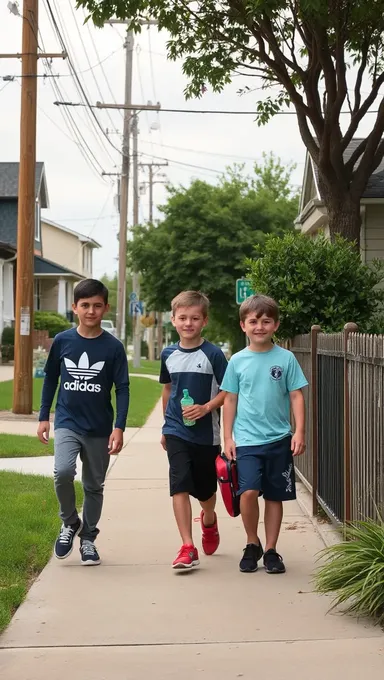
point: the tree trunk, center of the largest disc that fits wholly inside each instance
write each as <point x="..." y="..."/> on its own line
<point x="343" y="212"/>
<point x="345" y="219"/>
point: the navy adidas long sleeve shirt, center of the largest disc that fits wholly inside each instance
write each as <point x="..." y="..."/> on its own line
<point x="87" y="368"/>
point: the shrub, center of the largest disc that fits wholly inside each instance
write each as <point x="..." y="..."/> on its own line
<point x="7" y="353"/>
<point x="52" y="322"/>
<point x="354" y="570"/>
<point x="8" y="336"/>
<point x="316" y="281"/>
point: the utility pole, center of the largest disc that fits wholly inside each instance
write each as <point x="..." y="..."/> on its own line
<point x="124" y="185"/>
<point x="22" y="387"/>
<point x="136" y="275"/>
<point x="152" y="182"/>
<point x="151" y="329"/>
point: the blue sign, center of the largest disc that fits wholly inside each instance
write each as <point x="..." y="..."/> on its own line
<point x="136" y="307"/>
<point x="132" y="297"/>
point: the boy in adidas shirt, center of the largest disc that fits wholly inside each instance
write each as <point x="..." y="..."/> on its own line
<point x="88" y="361"/>
<point x="195" y="365"/>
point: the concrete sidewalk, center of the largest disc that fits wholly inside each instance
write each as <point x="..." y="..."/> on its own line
<point x="133" y="618"/>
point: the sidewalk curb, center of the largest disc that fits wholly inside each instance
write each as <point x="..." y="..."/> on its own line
<point x="326" y="531"/>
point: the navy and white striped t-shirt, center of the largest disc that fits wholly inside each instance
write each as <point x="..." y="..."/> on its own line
<point x="200" y="370"/>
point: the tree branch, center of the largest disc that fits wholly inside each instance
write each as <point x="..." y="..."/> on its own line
<point x="359" y="115"/>
<point x="372" y="156"/>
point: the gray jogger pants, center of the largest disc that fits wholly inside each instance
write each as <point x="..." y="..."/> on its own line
<point x="94" y="455"/>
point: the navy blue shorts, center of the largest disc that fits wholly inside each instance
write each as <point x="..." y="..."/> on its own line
<point x="268" y="469"/>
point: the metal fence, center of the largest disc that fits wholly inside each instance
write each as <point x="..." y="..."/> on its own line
<point x="344" y="464"/>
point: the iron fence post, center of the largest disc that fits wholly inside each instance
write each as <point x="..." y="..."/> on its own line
<point x="315" y="330"/>
<point x="348" y="328"/>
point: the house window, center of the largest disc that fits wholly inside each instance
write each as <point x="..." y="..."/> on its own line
<point x="37" y="295"/>
<point x="37" y="222"/>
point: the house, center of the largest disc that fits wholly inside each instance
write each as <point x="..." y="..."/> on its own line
<point x="62" y="257"/>
<point x="68" y="258"/>
<point x="313" y="216"/>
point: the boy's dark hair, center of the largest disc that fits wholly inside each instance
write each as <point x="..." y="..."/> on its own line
<point x="259" y="305"/>
<point x="90" y="288"/>
<point x="190" y="298"/>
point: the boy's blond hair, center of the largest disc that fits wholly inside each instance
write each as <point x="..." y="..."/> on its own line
<point x="190" y="298"/>
<point x="259" y="304"/>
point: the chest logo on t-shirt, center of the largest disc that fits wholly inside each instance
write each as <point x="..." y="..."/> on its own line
<point x="82" y="373"/>
<point x="276" y="372"/>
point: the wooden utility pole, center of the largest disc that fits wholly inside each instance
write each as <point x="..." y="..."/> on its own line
<point x="124" y="185"/>
<point x="136" y="275"/>
<point x="22" y="389"/>
<point x="151" y="329"/>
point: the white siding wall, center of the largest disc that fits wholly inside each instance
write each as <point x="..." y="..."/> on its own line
<point x="374" y="232"/>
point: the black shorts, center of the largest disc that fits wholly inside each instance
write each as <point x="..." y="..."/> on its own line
<point x="268" y="469"/>
<point x="191" y="468"/>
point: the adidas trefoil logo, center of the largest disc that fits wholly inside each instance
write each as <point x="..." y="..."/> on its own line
<point x="82" y="372"/>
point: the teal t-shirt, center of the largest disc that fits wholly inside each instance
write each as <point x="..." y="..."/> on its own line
<point x="263" y="381"/>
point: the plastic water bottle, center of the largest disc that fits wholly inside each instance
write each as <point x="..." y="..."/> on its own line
<point x="187" y="401"/>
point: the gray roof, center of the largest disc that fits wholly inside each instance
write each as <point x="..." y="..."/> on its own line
<point x="9" y="181"/>
<point x="375" y="184"/>
<point x="43" y="266"/>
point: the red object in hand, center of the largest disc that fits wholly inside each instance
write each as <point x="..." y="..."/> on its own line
<point x="226" y="471"/>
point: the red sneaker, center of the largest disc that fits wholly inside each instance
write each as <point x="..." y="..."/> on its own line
<point x="187" y="558"/>
<point x="210" y="537"/>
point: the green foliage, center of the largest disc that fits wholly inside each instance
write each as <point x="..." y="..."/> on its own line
<point x="315" y="281"/>
<point x="7" y="349"/>
<point x="8" y="336"/>
<point x="205" y="236"/>
<point x="52" y="322"/>
<point x="302" y="53"/>
<point x="354" y="571"/>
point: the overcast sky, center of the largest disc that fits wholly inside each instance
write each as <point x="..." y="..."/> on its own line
<point x="79" y="197"/>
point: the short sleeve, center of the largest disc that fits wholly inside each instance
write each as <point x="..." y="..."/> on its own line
<point x="296" y="379"/>
<point x="164" y="378"/>
<point x="230" y="381"/>
<point x="220" y="364"/>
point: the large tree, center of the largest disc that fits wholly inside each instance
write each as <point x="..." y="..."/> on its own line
<point x="323" y="57"/>
<point x="205" y="236"/>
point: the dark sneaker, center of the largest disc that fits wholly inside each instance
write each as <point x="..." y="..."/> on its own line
<point x="89" y="554"/>
<point x="273" y="562"/>
<point x="64" y="542"/>
<point x="252" y="554"/>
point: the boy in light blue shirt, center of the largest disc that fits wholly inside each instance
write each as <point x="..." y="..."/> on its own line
<point x="263" y="382"/>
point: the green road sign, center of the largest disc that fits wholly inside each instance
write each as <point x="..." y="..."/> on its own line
<point x="243" y="290"/>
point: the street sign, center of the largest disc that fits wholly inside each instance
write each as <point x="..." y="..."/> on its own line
<point x="132" y="297"/>
<point x="243" y="290"/>
<point x="136" y="307"/>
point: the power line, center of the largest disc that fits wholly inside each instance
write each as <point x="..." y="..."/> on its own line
<point x="89" y="62"/>
<point x="87" y="103"/>
<point x="188" y="165"/>
<point x="139" y="107"/>
<point x="63" y="75"/>
<point x="101" y="62"/>
<point x="79" y="140"/>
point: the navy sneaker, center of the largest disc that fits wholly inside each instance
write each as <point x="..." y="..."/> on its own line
<point x="252" y="554"/>
<point x="89" y="554"/>
<point x="64" y="542"/>
<point x="273" y="562"/>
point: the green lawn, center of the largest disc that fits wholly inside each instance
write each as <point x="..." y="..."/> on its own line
<point x="148" y="367"/>
<point x="144" y="395"/>
<point x="28" y="528"/>
<point x="22" y="446"/>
